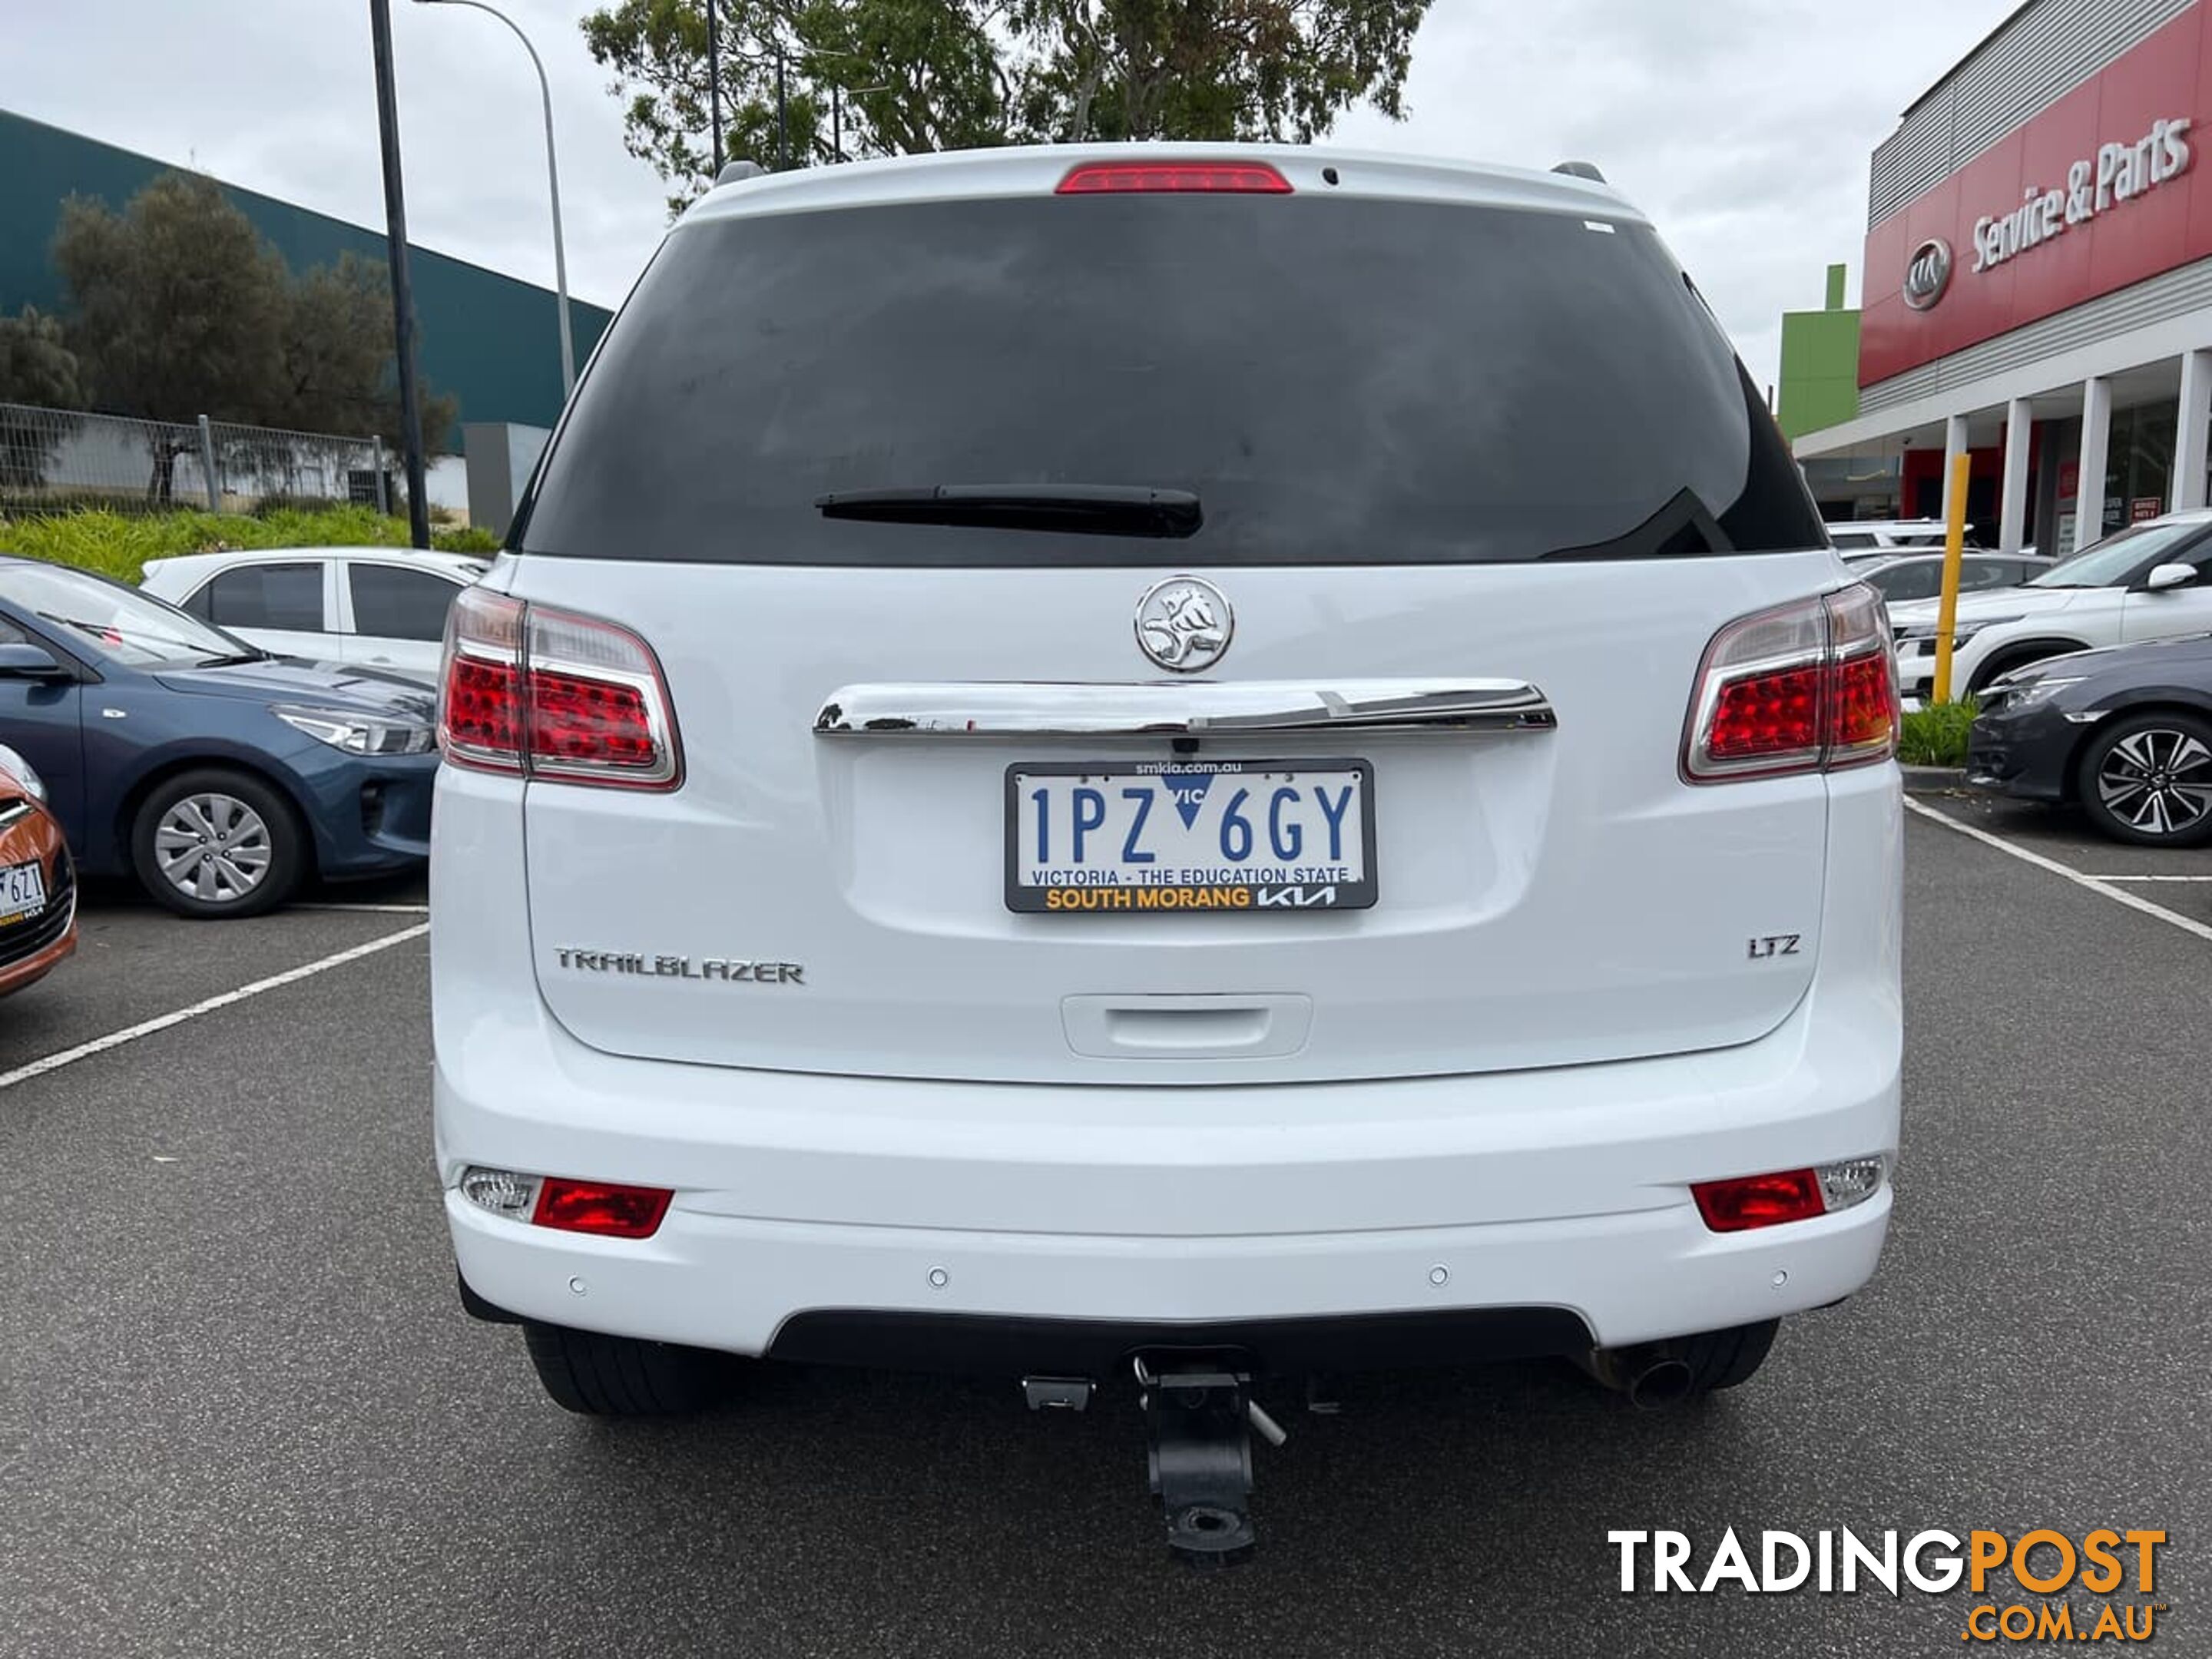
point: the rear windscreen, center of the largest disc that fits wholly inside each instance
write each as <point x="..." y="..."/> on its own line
<point x="1339" y="380"/>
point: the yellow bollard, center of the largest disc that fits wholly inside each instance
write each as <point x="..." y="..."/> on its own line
<point x="1954" y="540"/>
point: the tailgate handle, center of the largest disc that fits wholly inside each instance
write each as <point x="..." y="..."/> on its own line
<point x="1197" y="1027"/>
<point x="998" y="708"/>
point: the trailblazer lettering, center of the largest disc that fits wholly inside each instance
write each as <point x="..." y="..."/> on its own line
<point x="727" y="970"/>
<point x="2118" y="172"/>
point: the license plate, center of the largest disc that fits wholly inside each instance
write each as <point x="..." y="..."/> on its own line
<point x="1136" y="838"/>
<point x="23" y="892"/>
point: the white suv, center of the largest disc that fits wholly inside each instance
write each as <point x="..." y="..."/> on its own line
<point x="2150" y="581"/>
<point x="1205" y="765"/>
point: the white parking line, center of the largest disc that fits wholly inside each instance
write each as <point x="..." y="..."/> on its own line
<point x="2151" y="877"/>
<point x="163" y="1022"/>
<point x="2094" y="884"/>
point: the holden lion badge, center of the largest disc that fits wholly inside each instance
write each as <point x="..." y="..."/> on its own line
<point x="1184" y="624"/>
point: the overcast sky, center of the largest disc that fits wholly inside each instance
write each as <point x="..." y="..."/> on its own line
<point x="1741" y="126"/>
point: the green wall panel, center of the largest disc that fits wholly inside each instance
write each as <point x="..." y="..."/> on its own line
<point x="490" y="340"/>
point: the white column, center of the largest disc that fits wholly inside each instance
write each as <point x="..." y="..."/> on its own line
<point x="2187" y="489"/>
<point x="2012" y="516"/>
<point x="2090" y="482"/>
<point x="1955" y="444"/>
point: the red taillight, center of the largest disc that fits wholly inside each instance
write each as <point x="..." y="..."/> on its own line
<point x="554" y="695"/>
<point x="1765" y="714"/>
<point x="1808" y="686"/>
<point x="480" y="704"/>
<point x="601" y="1207"/>
<point x="1762" y="1200"/>
<point x="1136" y="178"/>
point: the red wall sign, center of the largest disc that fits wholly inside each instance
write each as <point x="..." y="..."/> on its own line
<point x="2108" y="185"/>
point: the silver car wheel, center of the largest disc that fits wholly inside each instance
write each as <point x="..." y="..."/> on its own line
<point x="212" y="847"/>
<point x="2159" y="781"/>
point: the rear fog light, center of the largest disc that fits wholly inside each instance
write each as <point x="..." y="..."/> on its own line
<point x="1745" y="1202"/>
<point x="600" y="1207"/>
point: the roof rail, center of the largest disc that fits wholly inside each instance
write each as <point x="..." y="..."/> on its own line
<point x="1580" y="170"/>
<point x="733" y="171"/>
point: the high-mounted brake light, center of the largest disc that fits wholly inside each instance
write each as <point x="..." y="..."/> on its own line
<point x="554" y="695"/>
<point x="1174" y="178"/>
<point x="1808" y="686"/>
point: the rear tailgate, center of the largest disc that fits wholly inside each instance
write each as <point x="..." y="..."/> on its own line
<point x="1544" y="897"/>
<point x="1444" y="429"/>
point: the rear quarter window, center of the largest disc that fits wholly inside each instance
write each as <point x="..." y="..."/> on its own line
<point x="1338" y="379"/>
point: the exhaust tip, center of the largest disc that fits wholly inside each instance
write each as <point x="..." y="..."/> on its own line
<point x="1663" y="1383"/>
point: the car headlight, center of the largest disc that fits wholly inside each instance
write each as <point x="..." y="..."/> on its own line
<point x="359" y="734"/>
<point x="1921" y="636"/>
<point x="2027" y="694"/>
<point x="21" y="769"/>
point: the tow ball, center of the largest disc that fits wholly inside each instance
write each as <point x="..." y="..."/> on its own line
<point x="1199" y="1419"/>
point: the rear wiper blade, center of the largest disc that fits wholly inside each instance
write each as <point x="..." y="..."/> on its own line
<point x="1077" y="509"/>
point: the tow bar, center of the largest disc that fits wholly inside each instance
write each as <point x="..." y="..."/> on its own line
<point x="1199" y="1418"/>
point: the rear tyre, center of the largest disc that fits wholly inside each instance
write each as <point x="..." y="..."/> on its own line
<point x="598" y="1375"/>
<point x="214" y="843"/>
<point x="1721" y="1359"/>
<point x="2148" y="779"/>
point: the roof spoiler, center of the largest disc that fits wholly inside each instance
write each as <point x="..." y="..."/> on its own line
<point x="1580" y="170"/>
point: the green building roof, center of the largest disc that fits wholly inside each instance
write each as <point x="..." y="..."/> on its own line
<point x="492" y="341"/>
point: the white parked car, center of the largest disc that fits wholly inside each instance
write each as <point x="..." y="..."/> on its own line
<point x="2153" y="581"/>
<point x="1855" y="536"/>
<point x="378" y="607"/>
<point x="1110" y="799"/>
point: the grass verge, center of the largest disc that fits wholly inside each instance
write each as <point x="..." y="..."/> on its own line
<point x="116" y="543"/>
<point x="1936" y="735"/>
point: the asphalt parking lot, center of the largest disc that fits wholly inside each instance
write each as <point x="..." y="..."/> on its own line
<point x="241" y="1413"/>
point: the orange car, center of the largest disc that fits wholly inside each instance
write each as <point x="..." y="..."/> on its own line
<point x="38" y="882"/>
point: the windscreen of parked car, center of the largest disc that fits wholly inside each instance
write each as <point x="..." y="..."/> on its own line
<point x="2117" y="556"/>
<point x="1338" y="380"/>
<point x="117" y="624"/>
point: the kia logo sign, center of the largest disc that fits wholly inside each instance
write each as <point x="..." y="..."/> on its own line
<point x="1927" y="273"/>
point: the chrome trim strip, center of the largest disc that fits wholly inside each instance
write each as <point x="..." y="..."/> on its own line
<point x="998" y="708"/>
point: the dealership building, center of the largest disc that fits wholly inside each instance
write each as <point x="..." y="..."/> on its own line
<point x="2036" y="286"/>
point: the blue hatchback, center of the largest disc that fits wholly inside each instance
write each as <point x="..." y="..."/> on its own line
<point x="219" y="776"/>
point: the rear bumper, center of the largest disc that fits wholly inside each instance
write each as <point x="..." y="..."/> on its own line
<point x="1064" y="1303"/>
<point x="1035" y="1226"/>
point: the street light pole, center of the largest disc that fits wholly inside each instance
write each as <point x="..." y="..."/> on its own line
<point x="714" y="80"/>
<point x="403" y="296"/>
<point x="782" y="122"/>
<point x="553" y="184"/>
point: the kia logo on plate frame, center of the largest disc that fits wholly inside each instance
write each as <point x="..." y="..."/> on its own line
<point x="1927" y="273"/>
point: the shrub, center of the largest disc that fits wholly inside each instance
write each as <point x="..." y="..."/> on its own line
<point x="117" y="544"/>
<point x="1936" y="735"/>
<point x="465" y="539"/>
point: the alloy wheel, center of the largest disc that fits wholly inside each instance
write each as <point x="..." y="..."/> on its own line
<point x="2159" y="781"/>
<point x="212" y="847"/>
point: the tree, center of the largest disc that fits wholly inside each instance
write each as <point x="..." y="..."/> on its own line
<point x="902" y="76"/>
<point x="337" y="359"/>
<point x="38" y="368"/>
<point x="179" y="308"/>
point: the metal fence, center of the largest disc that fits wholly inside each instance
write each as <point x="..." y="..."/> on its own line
<point x="52" y="459"/>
